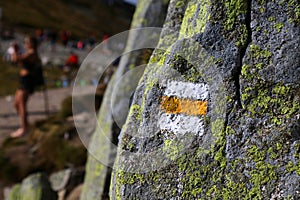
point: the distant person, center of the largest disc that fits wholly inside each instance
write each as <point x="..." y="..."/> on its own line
<point x="12" y="49"/>
<point x="28" y="63"/>
<point x="92" y="40"/>
<point x="52" y="38"/>
<point x="64" y="37"/>
<point x="39" y="34"/>
<point x="105" y="43"/>
<point x="7" y="33"/>
<point x="46" y="34"/>
<point x="72" y="60"/>
<point x="105" y="38"/>
<point x="80" y="45"/>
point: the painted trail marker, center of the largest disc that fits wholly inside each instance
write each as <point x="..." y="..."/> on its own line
<point x="183" y="105"/>
<point x="174" y="105"/>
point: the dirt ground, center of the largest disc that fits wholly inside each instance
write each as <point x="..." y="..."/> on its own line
<point x="9" y="120"/>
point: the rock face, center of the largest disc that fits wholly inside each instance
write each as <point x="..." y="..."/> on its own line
<point x="97" y="180"/>
<point x="216" y="114"/>
<point x="34" y="187"/>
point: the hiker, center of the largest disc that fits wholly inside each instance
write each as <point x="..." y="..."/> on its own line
<point x="92" y="40"/>
<point x="64" y="38"/>
<point x="80" y="45"/>
<point x="105" y="43"/>
<point x="39" y="35"/>
<point x="71" y="63"/>
<point x="52" y="38"/>
<point x="72" y="60"/>
<point x="27" y="62"/>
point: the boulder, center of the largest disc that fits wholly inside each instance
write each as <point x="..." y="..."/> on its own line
<point x="216" y="112"/>
<point x="66" y="180"/>
<point x="13" y="193"/>
<point x="34" y="187"/>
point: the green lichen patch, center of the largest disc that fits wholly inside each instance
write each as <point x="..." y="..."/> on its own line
<point x="234" y="10"/>
<point x="158" y="57"/>
<point x="135" y="111"/>
<point x="294" y="11"/>
<point x="234" y="23"/>
<point x="195" y="18"/>
<point x="242" y="41"/>
<point x="172" y="149"/>
<point x="15" y="192"/>
<point x="272" y="101"/>
<point x="138" y="19"/>
<point x="258" y="53"/>
<point x="278" y="26"/>
<point x="180" y="4"/>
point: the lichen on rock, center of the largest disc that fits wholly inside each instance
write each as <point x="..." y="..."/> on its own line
<point x="246" y="52"/>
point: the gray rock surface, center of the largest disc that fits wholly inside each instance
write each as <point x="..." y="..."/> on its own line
<point x="66" y="180"/>
<point x="60" y="179"/>
<point x="235" y="135"/>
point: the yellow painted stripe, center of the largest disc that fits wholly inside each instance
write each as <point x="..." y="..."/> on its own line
<point x="174" y="105"/>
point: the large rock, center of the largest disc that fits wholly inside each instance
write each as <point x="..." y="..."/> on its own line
<point x="34" y="187"/>
<point x="216" y="113"/>
<point x="102" y="149"/>
<point x="66" y="180"/>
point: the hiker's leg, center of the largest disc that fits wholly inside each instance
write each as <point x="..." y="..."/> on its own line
<point x="17" y="101"/>
<point x="21" y="99"/>
<point x="23" y="109"/>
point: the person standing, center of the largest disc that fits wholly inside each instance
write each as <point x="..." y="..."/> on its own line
<point x="53" y="38"/>
<point x="64" y="38"/>
<point x="27" y="62"/>
<point x="12" y="49"/>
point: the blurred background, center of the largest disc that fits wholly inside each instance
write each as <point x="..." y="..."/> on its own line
<point x="67" y="30"/>
<point x="62" y="27"/>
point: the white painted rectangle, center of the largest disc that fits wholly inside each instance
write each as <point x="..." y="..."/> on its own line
<point x="181" y="124"/>
<point x="196" y="91"/>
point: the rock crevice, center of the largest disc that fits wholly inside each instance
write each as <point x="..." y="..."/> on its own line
<point x="242" y="53"/>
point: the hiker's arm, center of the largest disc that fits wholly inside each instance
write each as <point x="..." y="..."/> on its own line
<point x="19" y="58"/>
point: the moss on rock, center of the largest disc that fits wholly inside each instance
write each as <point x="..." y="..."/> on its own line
<point x="253" y="150"/>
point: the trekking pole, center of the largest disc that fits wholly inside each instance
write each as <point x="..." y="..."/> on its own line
<point x="46" y="102"/>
